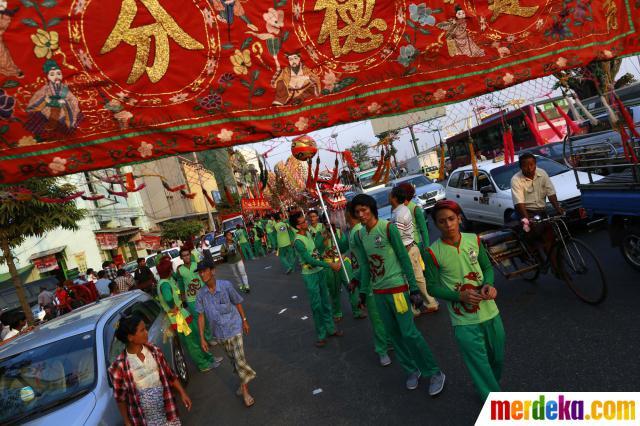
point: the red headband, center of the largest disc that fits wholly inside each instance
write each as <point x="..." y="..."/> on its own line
<point x="447" y="204"/>
<point x="164" y="267"/>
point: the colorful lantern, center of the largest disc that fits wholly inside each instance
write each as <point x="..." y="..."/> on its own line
<point x="303" y="148"/>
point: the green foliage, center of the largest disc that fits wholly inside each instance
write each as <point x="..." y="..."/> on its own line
<point x="181" y="230"/>
<point x="23" y="219"/>
<point x="360" y="153"/>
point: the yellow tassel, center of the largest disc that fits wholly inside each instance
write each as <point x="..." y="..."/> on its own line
<point x="422" y="264"/>
<point x="472" y="154"/>
<point x="401" y="303"/>
<point x="181" y="323"/>
<point x="441" y="177"/>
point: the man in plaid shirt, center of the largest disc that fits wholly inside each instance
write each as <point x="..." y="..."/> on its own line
<point x="110" y="270"/>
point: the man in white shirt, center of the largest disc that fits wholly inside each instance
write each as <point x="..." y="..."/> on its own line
<point x="45" y="298"/>
<point x="402" y="218"/>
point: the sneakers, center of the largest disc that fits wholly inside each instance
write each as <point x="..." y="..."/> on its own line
<point x="412" y="381"/>
<point x="217" y="360"/>
<point x="321" y="343"/>
<point x="385" y="360"/>
<point x="436" y="383"/>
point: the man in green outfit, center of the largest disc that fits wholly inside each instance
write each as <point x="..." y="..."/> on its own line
<point x="284" y="242"/>
<point x="459" y="271"/>
<point x="314" y="278"/>
<point x="181" y="320"/>
<point x="420" y="236"/>
<point x="242" y="238"/>
<point x="385" y="268"/>
<point x="255" y="237"/>
<point x="380" y="341"/>
<point x="315" y="227"/>
<point x="271" y="233"/>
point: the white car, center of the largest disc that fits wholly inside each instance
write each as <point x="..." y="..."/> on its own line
<point x="427" y="191"/>
<point x="487" y="198"/>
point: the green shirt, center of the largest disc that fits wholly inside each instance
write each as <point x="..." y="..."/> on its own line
<point x="383" y="259"/>
<point x="420" y="230"/>
<point x="189" y="281"/>
<point x="318" y="228"/>
<point x="451" y="270"/>
<point x="242" y="236"/>
<point x="231" y="252"/>
<point x="282" y="234"/>
<point x="308" y="253"/>
<point x="271" y="226"/>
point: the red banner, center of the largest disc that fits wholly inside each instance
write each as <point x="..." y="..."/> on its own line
<point x="47" y="263"/>
<point x="107" y="241"/>
<point x="88" y="84"/>
<point x="255" y="204"/>
<point x="149" y="242"/>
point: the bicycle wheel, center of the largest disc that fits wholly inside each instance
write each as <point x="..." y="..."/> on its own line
<point x="524" y="262"/>
<point x="630" y="248"/>
<point x="581" y="270"/>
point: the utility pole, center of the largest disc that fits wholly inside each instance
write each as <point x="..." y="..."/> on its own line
<point x="206" y="202"/>
<point x="414" y="140"/>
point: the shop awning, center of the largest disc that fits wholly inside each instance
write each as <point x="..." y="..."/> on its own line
<point x="120" y="232"/>
<point x="46" y="253"/>
<point x="184" y="216"/>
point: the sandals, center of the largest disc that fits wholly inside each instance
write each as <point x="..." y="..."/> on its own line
<point x="248" y="399"/>
<point x="321" y="343"/>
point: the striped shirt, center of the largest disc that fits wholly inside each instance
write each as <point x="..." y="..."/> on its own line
<point x="401" y="217"/>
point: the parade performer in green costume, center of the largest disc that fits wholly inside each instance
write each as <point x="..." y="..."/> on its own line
<point x="380" y="341"/>
<point x="385" y="268"/>
<point x="256" y="238"/>
<point x="459" y="271"/>
<point x="314" y="278"/>
<point x="271" y="233"/>
<point x="315" y="227"/>
<point x="242" y="239"/>
<point x="169" y="296"/>
<point x="285" y="247"/>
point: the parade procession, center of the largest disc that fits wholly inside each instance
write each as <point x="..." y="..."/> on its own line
<point x="285" y="212"/>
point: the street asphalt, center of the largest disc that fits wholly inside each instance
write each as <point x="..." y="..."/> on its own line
<point x="554" y="342"/>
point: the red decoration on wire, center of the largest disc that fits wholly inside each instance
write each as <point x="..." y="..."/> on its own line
<point x="227" y="194"/>
<point x="534" y="130"/>
<point x="509" y="150"/>
<point x="62" y="200"/>
<point x="550" y="123"/>
<point x="130" y="183"/>
<point x="125" y="194"/>
<point x="347" y="156"/>
<point x="627" y="117"/>
<point x="92" y="197"/>
<point x="573" y="127"/>
<point x="317" y="173"/>
<point x="174" y="188"/>
<point x="209" y="199"/>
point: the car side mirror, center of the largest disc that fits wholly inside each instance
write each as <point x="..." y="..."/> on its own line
<point x="487" y="190"/>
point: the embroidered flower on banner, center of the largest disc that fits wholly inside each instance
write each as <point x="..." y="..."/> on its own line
<point x="483" y="23"/>
<point x="539" y="24"/>
<point x="145" y="149"/>
<point x="225" y="135"/>
<point x="226" y="78"/>
<point x="208" y="17"/>
<point x="508" y="78"/>
<point x="400" y="17"/>
<point x="406" y="55"/>
<point x="350" y="67"/>
<point x="607" y="53"/>
<point x="439" y="94"/>
<point x="58" y="165"/>
<point x="421" y="14"/>
<point x="241" y="61"/>
<point x="329" y="80"/>
<point x="85" y="59"/>
<point x="80" y="6"/>
<point x="511" y="38"/>
<point x="27" y="141"/>
<point x="210" y="66"/>
<point x="561" y="62"/>
<point x="374" y="108"/>
<point x="7" y="103"/>
<point x="46" y="43"/>
<point x="302" y="123"/>
<point x="178" y="98"/>
<point x="274" y="20"/>
<point x="297" y="11"/>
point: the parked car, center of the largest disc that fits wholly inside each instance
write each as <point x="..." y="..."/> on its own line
<point x="427" y="191"/>
<point x="487" y="198"/>
<point x="381" y="195"/>
<point x="216" y="242"/>
<point x="57" y="373"/>
<point x="174" y="254"/>
<point x="150" y="261"/>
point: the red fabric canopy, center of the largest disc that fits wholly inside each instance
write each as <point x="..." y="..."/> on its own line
<point x="88" y="84"/>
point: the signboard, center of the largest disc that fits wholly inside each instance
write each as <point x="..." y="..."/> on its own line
<point x="149" y="242"/>
<point x="107" y="241"/>
<point x="395" y="122"/>
<point x="255" y="204"/>
<point x="81" y="261"/>
<point x="46" y="263"/>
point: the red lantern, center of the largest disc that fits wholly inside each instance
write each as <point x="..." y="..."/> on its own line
<point x="303" y="148"/>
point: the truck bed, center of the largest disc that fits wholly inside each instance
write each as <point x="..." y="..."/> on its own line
<point x="615" y="195"/>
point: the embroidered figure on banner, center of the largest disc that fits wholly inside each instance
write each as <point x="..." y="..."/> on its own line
<point x="459" y="41"/>
<point x="8" y="68"/>
<point x="295" y="83"/>
<point x="227" y="9"/>
<point x="510" y="7"/>
<point x="351" y="21"/>
<point x="53" y="109"/>
<point x="140" y="37"/>
<point x="274" y="21"/>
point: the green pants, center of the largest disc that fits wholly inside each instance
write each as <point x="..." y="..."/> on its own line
<point x="320" y="304"/>
<point x="412" y="351"/>
<point x="380" y="341"/>
<point x="335" y="281"/>
<point x="202" y="359"/>
<point x="257" y="248"/>
<point x="482" y="348"/>
<point x="272" y="240"/>
<point x="286" y="256"/>
<point x="246" y="251"/>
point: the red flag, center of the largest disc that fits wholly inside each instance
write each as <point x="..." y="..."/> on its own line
<point x="534" y="130"/>
<point x="573" y="127"/>
<point x="550" y="123"/>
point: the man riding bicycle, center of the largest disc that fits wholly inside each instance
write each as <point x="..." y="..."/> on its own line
<point x="530" y="188"/>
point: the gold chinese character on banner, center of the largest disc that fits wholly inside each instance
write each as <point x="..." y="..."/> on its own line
<point x="510" y="7"/>
<point x="355" y="17"/>
<point x="140" y="37"/>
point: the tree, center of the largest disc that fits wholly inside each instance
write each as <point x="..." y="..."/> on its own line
<point x="360" y="153"/>
<point x="182" y="230"/>
<point x="581" y="80"/>
<point x="22" y="219"/>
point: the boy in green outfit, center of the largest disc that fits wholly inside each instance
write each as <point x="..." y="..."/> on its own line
<point x="385" y="269"/>
<point x="459" y="271"/>
<point x="315" y="227"/>
<point x="314" y="278"/>
<point x="270" y="227"/>
<point x="284" y="243"/>
<point x="380" y="341"/>
<point x="255" y="237"/>
<point x="242" y="238"/>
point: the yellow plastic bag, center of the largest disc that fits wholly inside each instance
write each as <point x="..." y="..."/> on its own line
<point x="400" y="302"/>
<point x="181" y="323"/>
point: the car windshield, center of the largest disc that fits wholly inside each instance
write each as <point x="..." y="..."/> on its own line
<point x="130" y="267"/>
<point x="47" y="376"/>
<point x="417" y="181"/>
<point x="382" y="198"/>
<point x="232" y="223"/>
<point x="502" y="175"/>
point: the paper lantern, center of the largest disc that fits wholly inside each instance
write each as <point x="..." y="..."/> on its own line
<point x="303" y="148"/>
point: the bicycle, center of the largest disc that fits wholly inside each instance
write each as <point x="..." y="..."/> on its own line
<point x="570" y="259"/>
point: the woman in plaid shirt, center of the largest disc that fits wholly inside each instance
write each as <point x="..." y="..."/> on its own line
<point x="142" y="379"/>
